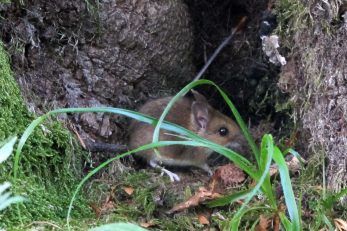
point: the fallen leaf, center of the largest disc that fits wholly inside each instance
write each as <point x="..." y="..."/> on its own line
<point x="340" y="224"/>
<point x="203" y="219"/>
<point x="105" y="207"/>
<point x="96" y="209"/>
<point x="128" y="190"/>
<point x="146" y="224"/>
<point x="226" y="176"/>
<point x="276" y="223"/>
<point x="202" y="195"/>
<point x="263" y="223"/>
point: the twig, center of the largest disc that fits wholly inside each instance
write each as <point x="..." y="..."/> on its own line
<point x="221" y="46"/>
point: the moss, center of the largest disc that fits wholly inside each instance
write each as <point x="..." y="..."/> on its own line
<point x="51" y="162"/>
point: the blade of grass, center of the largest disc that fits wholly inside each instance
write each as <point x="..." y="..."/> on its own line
<point x="7" y="148"/>
<point x="287" y="188"/>
<point x="253" y="209"/>
<point x="228" y="199"/>
<point x="22" y="141"/>
<point x="285" y="222"/>
<point x="267" y="187"/>
<point x="327" y="222"/>
<point x="270" y="149"/>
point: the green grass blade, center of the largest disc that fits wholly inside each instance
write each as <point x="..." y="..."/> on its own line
<point x="331" y="200"/>
<point x="228" y="199"/>
<point x="266" y="143"/>
<point x="249" y="210"/>
<point x="22" y="141"/>
<point x="270" y="149"/>
<point x="327" y="222"/>
<point x="285" y="222"/>
<point x="238" y="159"/>
<point x="241" y="123"/>
<point x="287" y="189"/>
<point x="7" y="148"/>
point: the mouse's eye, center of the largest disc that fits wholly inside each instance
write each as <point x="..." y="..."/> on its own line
<point x="223" y="131"/>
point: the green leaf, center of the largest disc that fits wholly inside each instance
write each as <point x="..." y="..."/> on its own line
<point x="118" y="227"/>
<point x="269" y="147"/>
<point x="228" y="199"/>
<point x="327" y="222"/>
<point x="6" y="199"/>
<point x="331" y="200"/>
<point x="7" y="148"/>
<point x="287" y="188"/>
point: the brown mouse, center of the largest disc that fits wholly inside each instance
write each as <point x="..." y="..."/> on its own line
<point x="194" y="114"/>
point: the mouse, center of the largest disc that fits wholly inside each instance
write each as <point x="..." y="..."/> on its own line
<point x="194" y="114"/>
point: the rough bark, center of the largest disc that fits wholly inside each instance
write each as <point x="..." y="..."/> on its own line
<point x="103" y="53"/>
<point x="316" y="78"/>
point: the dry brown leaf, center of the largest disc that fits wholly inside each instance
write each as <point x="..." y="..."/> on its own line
<point x="105" y="207"/>
<point x="226" y="176"/>
<point x="340" y="224"/>
<point x="203" y="219"/>
<point x="146" y="224"/>
<point x="276" y="223"/>
<point x="202" y="195"/>
<point x="263" y="223"/>
<point x="96" y="209"/>
<point x="128" y="190"/>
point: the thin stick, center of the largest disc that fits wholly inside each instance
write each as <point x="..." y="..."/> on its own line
<point x="221" y="46"/>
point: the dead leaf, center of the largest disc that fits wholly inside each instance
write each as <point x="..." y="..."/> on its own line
<point x="147" y="224"/>
<point x="96" y="209"/>
<point x="128" y="190"/>
<point x="203" y="219"/>
<point x="340" y="224"/>
<point x="104" y="208"/>
<point x="226" y="176"/>
<point x="293" y="164"/>
<point x="276" y="223"/>
<point x="263" y="223"/>
<point x="202" y="195"/>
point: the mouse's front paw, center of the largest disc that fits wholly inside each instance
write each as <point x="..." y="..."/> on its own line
<point x="207" y="169"/>
<point x="173" y="176"/>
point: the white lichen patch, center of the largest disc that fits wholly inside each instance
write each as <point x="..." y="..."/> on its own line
<point x="270" y="46"/>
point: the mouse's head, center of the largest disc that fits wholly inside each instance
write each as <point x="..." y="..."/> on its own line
<point x="213" y="125"/>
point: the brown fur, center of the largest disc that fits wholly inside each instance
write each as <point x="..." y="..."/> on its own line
<point x="186" y="115"/>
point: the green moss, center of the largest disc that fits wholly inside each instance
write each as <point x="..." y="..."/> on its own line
<point x="51" y="162"/>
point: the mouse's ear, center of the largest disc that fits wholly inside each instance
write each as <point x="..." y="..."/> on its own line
<point x="198" y="97"/>
<point x="200" y="114"/>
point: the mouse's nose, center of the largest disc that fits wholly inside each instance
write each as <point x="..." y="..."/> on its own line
<point x="238" y="143"/>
